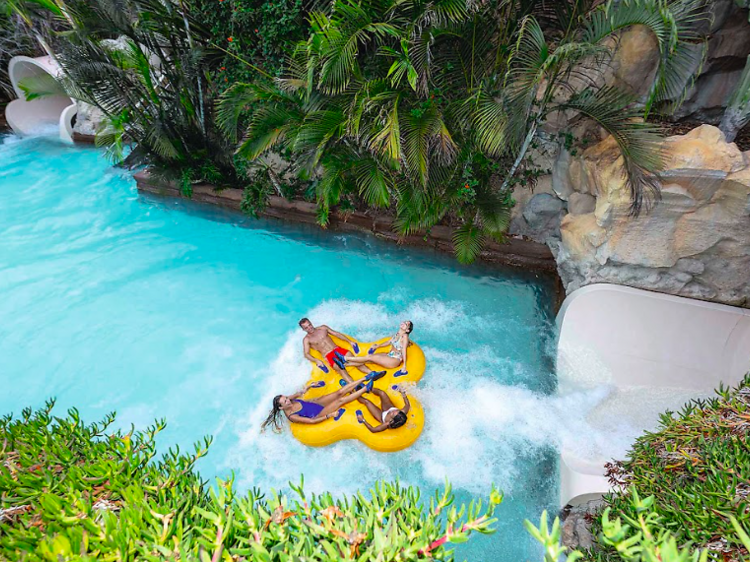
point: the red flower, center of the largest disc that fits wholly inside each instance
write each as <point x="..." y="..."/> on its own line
<point x="256" y="31"/>
<point x="230" y="39"/>
<point x="223" y="68"/>
<point x="466" y="186"/>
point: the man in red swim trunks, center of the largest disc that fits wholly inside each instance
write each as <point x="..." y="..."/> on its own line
<point x="320" y="340"/>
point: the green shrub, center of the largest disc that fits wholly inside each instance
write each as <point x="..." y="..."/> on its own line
<point x="74" y="491"/>
<point x="262" y="33"/>
<point x="697" y="469"/>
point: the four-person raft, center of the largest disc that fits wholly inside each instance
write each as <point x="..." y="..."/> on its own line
<point x="346" y="425"/>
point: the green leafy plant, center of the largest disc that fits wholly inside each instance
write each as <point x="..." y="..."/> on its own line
<point x="144" y="64"/>
<point x="395" y="104"/>
<point x="695" y="470"/>
<point x="73" y="491"/>
<point x="262" y="32"/>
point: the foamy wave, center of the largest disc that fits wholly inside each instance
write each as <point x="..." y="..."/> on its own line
<point x="484" y="420"/>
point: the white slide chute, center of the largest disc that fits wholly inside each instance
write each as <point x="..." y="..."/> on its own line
<point x="27" y="117"/>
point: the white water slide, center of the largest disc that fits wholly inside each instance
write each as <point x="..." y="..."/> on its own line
<point x="27" y="117"/>
<point x="653" y="350"/>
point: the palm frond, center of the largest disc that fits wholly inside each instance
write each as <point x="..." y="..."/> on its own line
<point x="675" y="24"/>
<point x="638" y="140"/>
<point x="374" y="184"/>
<point x="468" y="241"/>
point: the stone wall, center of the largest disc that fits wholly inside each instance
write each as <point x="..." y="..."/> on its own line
<point x="728" y="49"/>
<point x="515" y="252"/>
<point x="695" y="242"/>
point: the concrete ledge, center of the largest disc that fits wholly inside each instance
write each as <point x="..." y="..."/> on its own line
<point x="79" y="138"/>
<point x="516" y="252"/>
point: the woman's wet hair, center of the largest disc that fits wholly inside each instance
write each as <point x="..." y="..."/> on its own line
<point x="398" y="420"/>
<point x="411" y="326"/>
<point x="275" y="417"/>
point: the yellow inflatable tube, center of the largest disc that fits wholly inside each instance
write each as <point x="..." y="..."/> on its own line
<point x="347" y="426"/>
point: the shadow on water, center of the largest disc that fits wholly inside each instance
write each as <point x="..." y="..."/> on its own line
<point x="364" y="244"/>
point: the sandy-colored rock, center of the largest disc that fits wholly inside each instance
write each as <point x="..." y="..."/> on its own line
<point x="88" y="119"/>
<point x="695" y="242"/>
<point x="581" y="203"/>
<point x="537" y="212"/>
<point x="703" y="148"/>
<point x="581" y="235"/>
<point x="636" y="59"/>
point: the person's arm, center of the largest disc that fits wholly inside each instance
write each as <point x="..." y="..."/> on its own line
<point x="407" y="404"/>
<point x="377" y="346"/>
<point x="301" y="393"/>
<point x="299" y="419"/>
<point x="378" y="429"/>
<point x="338" y="335"/>
<point x="306" y="353"/>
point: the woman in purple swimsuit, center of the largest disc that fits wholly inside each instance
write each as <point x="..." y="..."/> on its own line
<point x="318" y="409"/>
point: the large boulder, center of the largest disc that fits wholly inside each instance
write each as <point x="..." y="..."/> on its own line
<point x="695" y="242"/>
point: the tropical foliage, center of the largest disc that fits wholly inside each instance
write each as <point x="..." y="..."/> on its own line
<point x="256" y="31"/>
<point x="435" y="107"/>
<point x="696" y="469"/>
<point x="436" y="110"/>
<point x="15" y="39"/>
<point x="143" y="63"/>
<point x="113" y="499"/>
<point x="77" y="491"/>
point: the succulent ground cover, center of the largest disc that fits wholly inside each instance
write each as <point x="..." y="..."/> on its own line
<point x="76" y="491"/>
<point x="72" y="491"/>
<point x="696" y="467"/>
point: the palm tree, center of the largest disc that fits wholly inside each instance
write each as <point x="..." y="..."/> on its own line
<point x="403" y="102"/>
<point x="151" y="83"/>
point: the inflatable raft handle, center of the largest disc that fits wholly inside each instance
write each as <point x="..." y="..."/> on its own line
<point x="323" y="368"/>
<point x="318" y="384"/>
<point x="371" y="350"/>
<point x="355" y="347"/>
<point x="400" y="373"/>
<point x="359" y="413"/>
<point x="338" y="415"/>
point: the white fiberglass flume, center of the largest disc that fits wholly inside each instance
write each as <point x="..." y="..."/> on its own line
<point x="652" y="350"/>
<point x="26" y="116"/>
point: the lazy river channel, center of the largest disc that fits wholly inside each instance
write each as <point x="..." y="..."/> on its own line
<point x="161" y="309"/>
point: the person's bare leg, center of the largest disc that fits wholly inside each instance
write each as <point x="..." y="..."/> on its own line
<point x="378" y="358"/>
<point x="343" y="391"/>
<point x="375" y="412"/>
<point x="385" y="400"/>
<point x="335" y="405"/>
<point x="362" y="367"/>
<point x="344" y="373"/>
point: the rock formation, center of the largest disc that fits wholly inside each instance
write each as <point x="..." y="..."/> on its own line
<point x="695" y="242"/>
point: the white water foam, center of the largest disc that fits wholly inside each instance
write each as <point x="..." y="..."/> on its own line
<point x="483" y="422"/>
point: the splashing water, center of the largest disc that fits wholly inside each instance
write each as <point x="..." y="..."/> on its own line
<point x="113" y="301"/>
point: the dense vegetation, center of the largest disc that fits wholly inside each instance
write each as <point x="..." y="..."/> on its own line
<point x="434" y="110"/>
<point x="15" y="39"/>
<point x="696" y="471"/>
<point x="74" y="491"/>
<point x="262" y="33"/>
<point x="69" y="491"/>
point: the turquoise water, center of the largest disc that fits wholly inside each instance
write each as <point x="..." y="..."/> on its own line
<point x="114" y="301"/>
